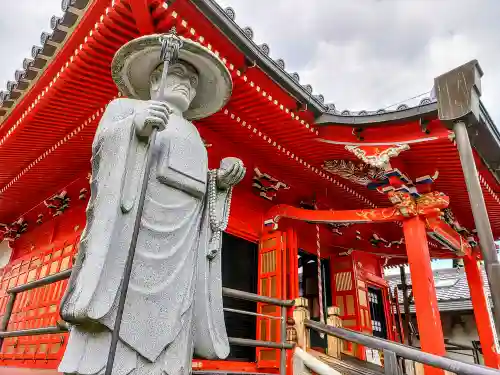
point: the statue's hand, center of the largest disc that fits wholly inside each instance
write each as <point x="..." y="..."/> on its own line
<point x="156" y="115"/>
<point x="230" y="173"/>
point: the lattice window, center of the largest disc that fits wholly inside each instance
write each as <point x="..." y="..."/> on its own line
<point x="35" y="308"/>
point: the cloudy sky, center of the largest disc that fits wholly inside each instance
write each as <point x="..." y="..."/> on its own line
<point x="360" y="54"/>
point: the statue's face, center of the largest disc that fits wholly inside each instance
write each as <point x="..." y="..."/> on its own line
<point x="180" y="88"/>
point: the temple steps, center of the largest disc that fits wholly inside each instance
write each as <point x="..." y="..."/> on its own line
<point x="348" y="365"/>
<point x="24" y="371"/>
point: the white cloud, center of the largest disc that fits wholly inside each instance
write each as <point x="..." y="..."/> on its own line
<point x="21" y="24"/>
<point x="363" y="54"/>
<point x="368" y="54"/>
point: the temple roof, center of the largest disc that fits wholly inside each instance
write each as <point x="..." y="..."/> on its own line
<point x="485" y="135"/>
<point x="224" y="19"/>
<point x="452" y="289"/>
<point x="52" y="119"/>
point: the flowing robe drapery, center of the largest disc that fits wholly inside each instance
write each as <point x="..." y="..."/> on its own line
<point x="174" y="300"/>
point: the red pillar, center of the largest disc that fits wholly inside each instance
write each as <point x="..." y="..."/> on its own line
<point x="292" y="270"/>
<point x="481" y="314"/>
<point x="424" y="291"/>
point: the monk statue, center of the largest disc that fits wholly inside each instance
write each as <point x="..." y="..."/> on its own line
<point x="173" y="305"/>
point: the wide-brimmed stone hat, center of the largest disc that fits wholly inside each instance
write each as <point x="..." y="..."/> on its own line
<point x="134" y="62"/>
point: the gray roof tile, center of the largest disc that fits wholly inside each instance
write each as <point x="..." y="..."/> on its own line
<point x="457" y="288"/>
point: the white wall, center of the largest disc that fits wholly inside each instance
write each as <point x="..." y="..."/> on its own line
<point x="5" y="253"/>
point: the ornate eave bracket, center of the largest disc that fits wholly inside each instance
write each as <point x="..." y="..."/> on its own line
<point x="377" y="156"/>
<point x="14" y="231"/>
<point x="359" y="173"/>
<point x="58" y="203"/>
<point x="267" y="186"/>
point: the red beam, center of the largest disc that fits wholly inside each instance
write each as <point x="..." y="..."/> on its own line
<point x="438" y="228"/>
<point x="427" y="205"/>
<point x="444" y="233"/>
<point x="142" y="16"/>
<point x="383" y="134"/>
<point x="283" y="211"/>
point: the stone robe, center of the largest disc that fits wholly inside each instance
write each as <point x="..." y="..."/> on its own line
<point x="174" y="300"/>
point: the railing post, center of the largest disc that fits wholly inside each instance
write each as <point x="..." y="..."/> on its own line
<point x="299" y="366"/>
<point x="300" y="315"/>
<point x="7" y="315"/>
<point x="391" y="365"/>
<point x="419" y="369"/>
<point x="283" y="341"/>
<point x="334" y="343"/>
<point x="291" y="331"/>
<point x="8" y="311"/>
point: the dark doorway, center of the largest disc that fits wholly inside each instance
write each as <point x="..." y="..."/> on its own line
<point x="377" y="313"/>
<point x="239" y="271"/>
<point x="308" y="288"/>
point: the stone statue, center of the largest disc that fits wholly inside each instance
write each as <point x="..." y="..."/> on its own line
<point x="174" y="300"/>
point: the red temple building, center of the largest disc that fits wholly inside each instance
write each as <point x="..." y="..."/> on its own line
<point x="357" y="191"/>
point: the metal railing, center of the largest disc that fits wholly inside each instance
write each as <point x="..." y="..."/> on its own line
<point x="393" y="351"/>
<point x="13" y="292"/>
<point x="62" y="327"/>
<point x="462" y="350"/>
<point x="284" y="304"/>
